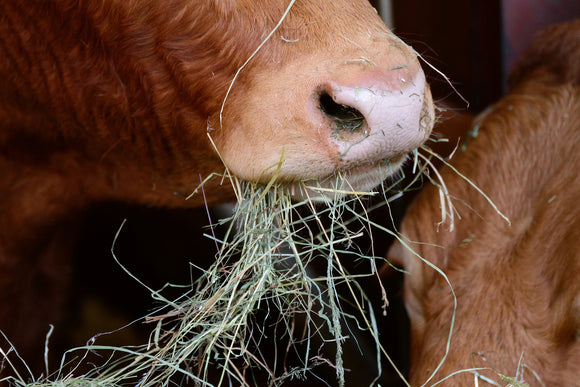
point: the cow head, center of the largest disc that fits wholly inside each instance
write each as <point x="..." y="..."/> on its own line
<point x="515" y="306"/>
<point x="139" y="100"/>
<point x="137" y="86"/>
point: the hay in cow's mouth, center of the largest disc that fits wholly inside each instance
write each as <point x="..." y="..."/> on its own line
<point x="210" y="335"/>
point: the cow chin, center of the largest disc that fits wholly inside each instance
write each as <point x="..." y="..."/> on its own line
<point x="360" y="180"/>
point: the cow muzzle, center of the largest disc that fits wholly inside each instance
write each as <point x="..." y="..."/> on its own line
<point x="342" y="125"/>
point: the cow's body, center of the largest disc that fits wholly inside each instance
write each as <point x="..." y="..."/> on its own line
<point x="114" y="100"/>
<point x="518" y="285"/>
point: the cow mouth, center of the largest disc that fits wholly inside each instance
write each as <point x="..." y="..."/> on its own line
<point x="356" y="180"/>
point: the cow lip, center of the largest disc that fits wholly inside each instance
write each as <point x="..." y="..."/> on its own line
<point x="360" y="178"/>
<point x="371" y="165"/>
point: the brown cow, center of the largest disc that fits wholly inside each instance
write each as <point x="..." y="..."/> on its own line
<point x="117" y="100"/>
<point x="517" y="285"/>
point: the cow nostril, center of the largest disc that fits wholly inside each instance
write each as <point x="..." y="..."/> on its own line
<point x="343" y="118"/>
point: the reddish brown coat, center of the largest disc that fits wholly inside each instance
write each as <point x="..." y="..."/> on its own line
<point x="518" y="285"/>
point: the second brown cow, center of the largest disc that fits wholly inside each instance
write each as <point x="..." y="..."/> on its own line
<point x="517" y="285"/>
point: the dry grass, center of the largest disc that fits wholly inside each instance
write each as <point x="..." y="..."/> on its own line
<point x="213" y="333"/>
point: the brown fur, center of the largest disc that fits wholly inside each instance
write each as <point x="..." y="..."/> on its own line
<point x="113" y="100"/>
<point x="517" y="287"/>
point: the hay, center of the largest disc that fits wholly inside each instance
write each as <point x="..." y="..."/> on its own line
<point x="211" y="334"/>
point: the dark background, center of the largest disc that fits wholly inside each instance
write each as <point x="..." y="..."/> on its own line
<point x="474" y="42"/>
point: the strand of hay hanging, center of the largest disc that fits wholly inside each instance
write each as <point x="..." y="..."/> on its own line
<point x="211" y="335"/>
